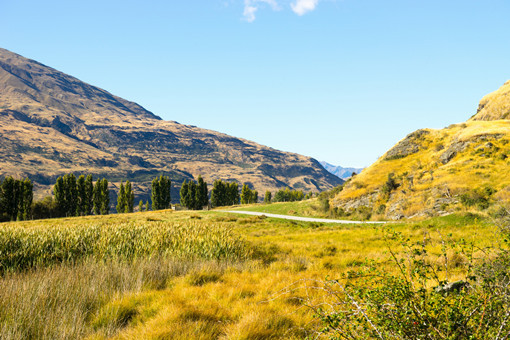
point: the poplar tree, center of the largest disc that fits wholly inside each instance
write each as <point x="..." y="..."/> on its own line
<point x="71" y="191"/>
<point x="160" y="193"/>
<point x="16" y="198"/>
<point x="105" y="197"/>
<point x="233" y="194"/>
<point x="129" y="198"/>
<point x="89" y="195"/>
<point x="140" y="206"/>
<point x="218" y="194"/>
<point x="9" y="199"/>
<point x="245" y="194"/>
<point x="202" y="193"/>
<point x="27" y="199"/>
<point x="121" y="200"/>
<point x="96" y="198"/>
<point x="183" y="193"/>
<point x="82" y="197"/>
<point x="267" y="197"/>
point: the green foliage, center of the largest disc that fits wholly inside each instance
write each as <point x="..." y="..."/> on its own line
<point x="420" y="301"/>
<point x="45" y="208"/>
<point x="121" y="199"/>
<point x="15" y="199"/>
<point x="194" y="196"/>
<point x="248" y="196"/>
<point x="287" y="195"/>
<point x="224" y="194"/>
<point x="202" y="193"/>
<point x="101" y="197"/>
<point x="267" y="197"/>
<point x="478" y="197"/>
<point x="74" y="197"/>
<point x="390" y="184"/>
<point x="160" y="193"/>
<point x="140" y="206"/>
<point x="125" y="198"/>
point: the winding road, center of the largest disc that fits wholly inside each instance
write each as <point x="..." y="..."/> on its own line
<point x="303" y="219"/>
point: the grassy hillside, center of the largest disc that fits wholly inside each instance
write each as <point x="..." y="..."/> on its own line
<point x="435" y="172"/>
<point x="165" y="293"/>
<point x="52" y="123"/>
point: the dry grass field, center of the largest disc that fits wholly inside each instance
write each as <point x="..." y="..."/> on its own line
<point x="192" y="275"/>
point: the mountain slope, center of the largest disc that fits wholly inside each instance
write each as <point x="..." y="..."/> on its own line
<point x="52" y="123"/>
<point x="439" y="171"/>
<point x="339" y="171"/>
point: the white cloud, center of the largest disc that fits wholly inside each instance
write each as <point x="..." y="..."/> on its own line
<point x="251" y="7"/>
<point x="300" y="7"/>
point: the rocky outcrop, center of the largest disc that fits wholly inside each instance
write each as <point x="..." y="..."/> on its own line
<point x="407" y="146"/>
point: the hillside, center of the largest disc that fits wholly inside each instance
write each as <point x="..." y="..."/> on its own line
<point x="52" y="124"/>
<point x="436" y="172"/>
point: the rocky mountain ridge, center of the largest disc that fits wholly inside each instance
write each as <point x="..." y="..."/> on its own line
<point x="52" y="123"/>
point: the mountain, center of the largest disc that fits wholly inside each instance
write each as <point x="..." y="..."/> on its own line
<point x="338" y="171"/>
<point x="435" y="172"/>
<point x="52" y="124"/>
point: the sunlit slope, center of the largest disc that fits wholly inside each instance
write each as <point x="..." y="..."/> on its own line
<point x="439" y="171"/>
<point x="495" y="105"/>
<point x="52" y="123"/>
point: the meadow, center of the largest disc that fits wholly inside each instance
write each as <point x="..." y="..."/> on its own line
<point x="197" y="275"/>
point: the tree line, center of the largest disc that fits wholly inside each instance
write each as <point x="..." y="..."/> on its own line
<point x="15" y="199"/>
<point x="81" y="196"/>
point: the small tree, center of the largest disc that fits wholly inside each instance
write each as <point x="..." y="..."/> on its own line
<point x="160" y="188"/>
<point x="140" y="206"/>
<point x="105" y="197"/>
<point x="245" y="194"/>
<point x="129" y="198"/>
<point x="267" y="197"/>
<point x="121" y="199"/>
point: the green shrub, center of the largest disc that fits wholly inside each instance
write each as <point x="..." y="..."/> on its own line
<point x="420" y="301"/>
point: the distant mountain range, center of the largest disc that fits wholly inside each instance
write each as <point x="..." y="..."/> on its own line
<point x="52" y="123"/>
<point x="339" y="171"/>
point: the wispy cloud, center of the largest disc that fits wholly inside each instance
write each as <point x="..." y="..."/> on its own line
<point x="301" y="7"/>
<point x="251" y="7"/>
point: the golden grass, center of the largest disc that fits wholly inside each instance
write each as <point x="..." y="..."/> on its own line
<point x="423" y="178"/>
<point x="257" y="298"/>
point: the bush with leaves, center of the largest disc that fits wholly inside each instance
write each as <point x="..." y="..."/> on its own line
<point x="420" y="301"/>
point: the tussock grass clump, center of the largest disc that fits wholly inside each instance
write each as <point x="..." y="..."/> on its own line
<point x="69" y="302"/>
<point x="22" y="248"/>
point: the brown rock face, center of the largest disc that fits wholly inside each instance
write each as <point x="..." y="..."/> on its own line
<point x="52" y="123"/>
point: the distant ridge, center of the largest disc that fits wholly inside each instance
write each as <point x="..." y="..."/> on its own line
<point x="339" y="171"/>
<point x="52" y="123"/>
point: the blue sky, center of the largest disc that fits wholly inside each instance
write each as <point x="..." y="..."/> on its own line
<point x="338" y="80"/>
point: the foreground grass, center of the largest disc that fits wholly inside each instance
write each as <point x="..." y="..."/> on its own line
<point x="257" y="296"/>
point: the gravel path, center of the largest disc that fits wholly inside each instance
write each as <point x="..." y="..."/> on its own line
<point x="297" y="218"/>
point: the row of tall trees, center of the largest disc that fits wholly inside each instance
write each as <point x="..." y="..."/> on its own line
<point x="80" y="197"/>
<point x="248" y="195"/>
<point x="125" y="198"/>
<point x="224" y="194"/>
<point x="160" y="188"/>
<point x="194" y="195"/>
<point x="15" y="199"/>
<point x="287" y="195"/>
